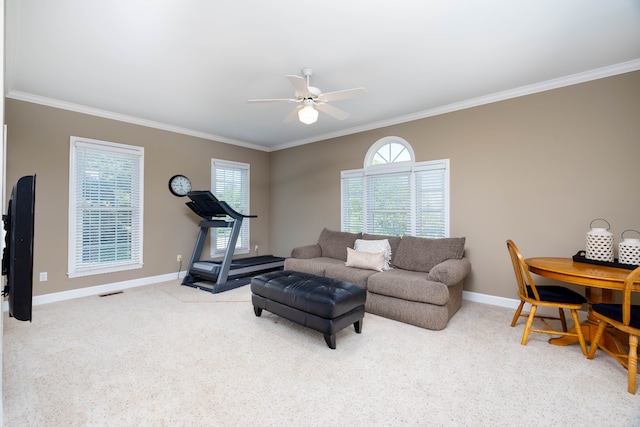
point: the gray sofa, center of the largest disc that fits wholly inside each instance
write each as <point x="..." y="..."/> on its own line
<point x="422" y="288"/>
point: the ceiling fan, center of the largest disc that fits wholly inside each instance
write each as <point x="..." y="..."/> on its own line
<point x="312" y="100"/>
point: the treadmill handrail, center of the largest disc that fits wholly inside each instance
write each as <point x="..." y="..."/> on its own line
<point x="207" y="206"/>
<point x="232" y="213"/>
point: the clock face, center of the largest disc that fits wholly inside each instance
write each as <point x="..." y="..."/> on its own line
<point x="179" y="185"/>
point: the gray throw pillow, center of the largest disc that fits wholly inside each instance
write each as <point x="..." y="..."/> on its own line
<point x="422" y="254"/>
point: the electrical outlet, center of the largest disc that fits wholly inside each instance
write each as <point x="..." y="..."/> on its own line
<point x="43" y="276"/>
<point x="256" y="249"/>
<point x="179" y="258"/>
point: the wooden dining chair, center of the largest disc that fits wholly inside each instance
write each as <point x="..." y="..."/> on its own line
<point x="555" y="296"/>
<point x="626" y="318"/>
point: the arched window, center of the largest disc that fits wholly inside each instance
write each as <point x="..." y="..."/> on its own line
<point x="394" y="195"/>
<point x="390" y="149"/>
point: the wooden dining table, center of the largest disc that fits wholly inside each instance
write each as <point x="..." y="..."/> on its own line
<point x="600" y="283"/>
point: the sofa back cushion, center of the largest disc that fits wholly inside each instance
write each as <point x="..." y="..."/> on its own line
<point x="394" y="241"/>
<point x="422" y="254"/>
<point x="334" y="244"/>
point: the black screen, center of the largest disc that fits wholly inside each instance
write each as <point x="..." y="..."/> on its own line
<point x="17" y="257"/>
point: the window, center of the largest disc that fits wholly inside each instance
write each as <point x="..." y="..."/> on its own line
<point x="389" y="151"/>
<point x="105" y="207"/>
<point x="230" y="183"/>
<point x="395" y="196"/>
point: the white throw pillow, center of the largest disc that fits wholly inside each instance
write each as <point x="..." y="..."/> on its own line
<point x="381" y="245"/>
<point x="365" y="260"/>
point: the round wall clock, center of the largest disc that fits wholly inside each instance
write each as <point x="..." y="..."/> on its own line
<point x="179" y="185"/>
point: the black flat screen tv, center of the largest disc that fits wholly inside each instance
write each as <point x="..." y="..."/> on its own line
<point x="17" y="256"/>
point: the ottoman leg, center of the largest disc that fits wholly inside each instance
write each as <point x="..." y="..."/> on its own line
<point x="358" y="326"/>
<point x="257" y="310"/>
<point x="331" y="341"/>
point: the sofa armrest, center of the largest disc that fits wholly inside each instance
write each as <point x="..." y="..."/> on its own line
<point x="451" y="271"/>
<point x="305" y="252"/>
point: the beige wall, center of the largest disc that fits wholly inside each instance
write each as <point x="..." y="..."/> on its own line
<point x="535" y="169"/>
<point x="38" y="142"/>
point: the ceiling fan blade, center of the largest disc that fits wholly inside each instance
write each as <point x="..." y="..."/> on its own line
<point x="273" y="100"/>
<point x="332" y="111"/>
<point x="343" y="94"/>
<point x="293" y="114"/>
<point x="300" y="85"/>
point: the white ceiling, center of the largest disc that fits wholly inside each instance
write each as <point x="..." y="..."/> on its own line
<point x="191" y="65"/>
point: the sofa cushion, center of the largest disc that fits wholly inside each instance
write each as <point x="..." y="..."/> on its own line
<point x="377" y="245"/>
<point x="422" y="254"/>
<point x="365" y="260"/>
<point x="334" y="244"/>
<point x="408" y="285"/>
<point x="394" y="241"/>
<point x="358" y="276"/>
<point x="316" y="266"/>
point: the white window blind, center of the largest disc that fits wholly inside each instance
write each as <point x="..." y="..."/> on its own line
<point x="432" y="205"/>
<point x="352" y="196"/>
<point x="388" y="203"/>
<point x="105" y="207"/>
<point x="230" y="183"/>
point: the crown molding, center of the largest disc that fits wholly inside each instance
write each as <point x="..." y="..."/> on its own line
<point x="599" y="73"/>
<point x="55" y="103"/>
<point x="570" y="80"/>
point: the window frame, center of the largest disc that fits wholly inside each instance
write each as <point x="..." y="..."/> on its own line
<point x="382" y="142"/>
<point x="244" y="239"/>
<point x="75" y="267"/>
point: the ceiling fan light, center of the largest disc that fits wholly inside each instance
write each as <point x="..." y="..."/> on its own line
<point x="308" y="115"/>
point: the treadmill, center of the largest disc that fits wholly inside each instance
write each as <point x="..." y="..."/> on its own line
<point x="228" y="273"/>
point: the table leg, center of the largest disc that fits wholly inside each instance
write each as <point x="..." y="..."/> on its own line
<point x="610" y="339"/>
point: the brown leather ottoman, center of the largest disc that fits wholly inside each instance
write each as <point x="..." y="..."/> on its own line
<point x="320" y="303"/>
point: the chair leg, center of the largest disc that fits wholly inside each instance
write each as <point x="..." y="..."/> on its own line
<point x="517" y="315"/>
<point x="633" y="363"/>
<point x="596" y="339"/>
<point x="527" y="328"/>
<point x="578" y="326"/>
<point x="563" y="320"/>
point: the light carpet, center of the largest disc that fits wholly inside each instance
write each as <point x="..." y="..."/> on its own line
<point x="171" y="355"/>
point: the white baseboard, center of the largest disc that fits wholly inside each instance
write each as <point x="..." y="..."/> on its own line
<point x="118" y="286"/>
<point x="490" y="299"/>
<point x="100" y="289"/>
<point x="507" y="303"/>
